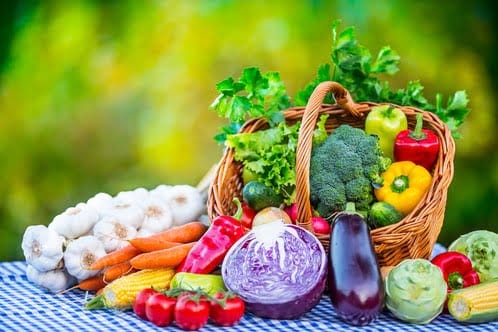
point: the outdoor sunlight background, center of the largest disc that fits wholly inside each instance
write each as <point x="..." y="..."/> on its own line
<point x="107" y="96"/>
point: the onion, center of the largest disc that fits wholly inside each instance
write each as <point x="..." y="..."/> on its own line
<point x="278" y="269"/>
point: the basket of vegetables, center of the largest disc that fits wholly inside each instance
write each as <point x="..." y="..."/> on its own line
<point x="392" y="156"/>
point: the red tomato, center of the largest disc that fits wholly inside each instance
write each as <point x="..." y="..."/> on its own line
<point x="191" y="312"/>
<point x="139" y="304"/>
<point x="228" y="313"/>
<point x="159" y="309"/>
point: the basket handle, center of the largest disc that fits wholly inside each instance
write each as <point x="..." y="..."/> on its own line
<point x="305" y="140"/>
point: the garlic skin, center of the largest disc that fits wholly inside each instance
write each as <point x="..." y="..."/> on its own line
<point x="53" y="280"/>
<point x="126" y="212"/>
<point x="42" y="247"/>
<point x="75" y="221"/>
<point x="80" y="254"/>
<point x="113" y="234"/>
<point x="186" y="204"/>
<point x="158" y="216"/>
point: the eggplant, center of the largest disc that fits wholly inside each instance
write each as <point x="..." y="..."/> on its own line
<point x="355" y="284"/>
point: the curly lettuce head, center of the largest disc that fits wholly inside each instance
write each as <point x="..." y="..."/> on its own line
<point x="481" y="247"/>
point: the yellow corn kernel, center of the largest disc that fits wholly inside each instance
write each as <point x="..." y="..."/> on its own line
<point x="475" y="304"/>
<point x="121" y="293"/>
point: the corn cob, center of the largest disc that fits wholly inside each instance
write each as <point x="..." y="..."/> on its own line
<point x="121" y="293"/>
<point x="475" y="304"/>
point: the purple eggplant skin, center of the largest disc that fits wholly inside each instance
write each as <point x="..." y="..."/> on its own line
<point x="356" y="288"/>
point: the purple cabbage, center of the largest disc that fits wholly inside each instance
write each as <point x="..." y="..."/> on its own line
<point x="278" y="269"/>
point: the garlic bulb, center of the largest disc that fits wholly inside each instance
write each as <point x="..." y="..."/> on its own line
<point x="80" y="255"/>
<point x="127" y="213"/>
<point x="75" y="221"/>
<point x="100" y="202"/>
<point x="53" y="280"/>
<point x="113" y="234"/>
<point x="136" y="196"/>
<point x="158" y="216"/>
<point x="42" y="247"/>
<point x="161" y="191"/>
<point x="186" y="203"/>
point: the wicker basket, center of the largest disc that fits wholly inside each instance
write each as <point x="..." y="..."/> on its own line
<point x="412" y="237"/>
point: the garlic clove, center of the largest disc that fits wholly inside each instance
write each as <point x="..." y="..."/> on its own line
<point x="42" y="247"/>
<point x="53" y="280"/>
<point x="80" y="254"/>
<point x="186" y="203"/>
<point x="113" y="234"/>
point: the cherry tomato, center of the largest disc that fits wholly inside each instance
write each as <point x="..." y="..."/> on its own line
<point x="191" y="312"/>
<point x="159" y="309"/>
<point x="139" y="304"/>
<point x="228" y="311"/>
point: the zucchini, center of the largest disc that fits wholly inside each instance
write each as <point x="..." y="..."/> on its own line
<point x="259" y="196"/>
<point x="476" y="303"/>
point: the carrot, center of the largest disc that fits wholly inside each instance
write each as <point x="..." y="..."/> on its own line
<point x="93" y="283"/>
<point x="117" y="256"/>
<point x="165" y="258"/>
<point x="115" y="271"/>
<point x="185" y="233"/>
<point x="148" y="244"/>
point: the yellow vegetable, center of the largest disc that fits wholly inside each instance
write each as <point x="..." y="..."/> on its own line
<point x="475" y="304"/>
<point x="404" y="186"/>
<point x="121" y="293"/>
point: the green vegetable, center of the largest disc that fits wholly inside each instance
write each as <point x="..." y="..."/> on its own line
<point x="269" y="156"/>
<point x="253" y="95"/>
<point x="386" y="122"/>
<point x="343" y="169"/>
<point x="354" y="67"/>
<point x="481" y="247"/>
<point x="415" y="291"/>
<point x="209" y="283"/>
<point x="383" y="214"/>
<point x="258" y="196"/>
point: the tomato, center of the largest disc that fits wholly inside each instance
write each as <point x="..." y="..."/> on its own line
<point x="228" y="311"/>
<point x="159" y="309"/>
<point x="191" y="312"/>
<point x="139" y="304"/>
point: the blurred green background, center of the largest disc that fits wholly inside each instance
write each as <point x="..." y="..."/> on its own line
<point x="107" y="96"/>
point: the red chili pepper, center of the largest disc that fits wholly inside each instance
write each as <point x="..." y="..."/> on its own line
<point x="247" y="215"/>
<point x="212" y="247"/>
<point x="457" y="270"/>
<point x="419" y="145"/>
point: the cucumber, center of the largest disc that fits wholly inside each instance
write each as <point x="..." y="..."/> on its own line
<point x="383" y="214"/>
<point x="259" y="196"/>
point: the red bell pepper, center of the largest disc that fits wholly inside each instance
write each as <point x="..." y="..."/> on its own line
<point x="419" y="145"/>
<point x="457" y="270"/>
<point x="212" y="247"/>
<point x="248" y="215"/>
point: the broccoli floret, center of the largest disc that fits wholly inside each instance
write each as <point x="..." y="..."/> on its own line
<point x="344" y="168"/>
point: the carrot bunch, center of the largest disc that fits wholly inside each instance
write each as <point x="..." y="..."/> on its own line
<point x="166" y="249"/>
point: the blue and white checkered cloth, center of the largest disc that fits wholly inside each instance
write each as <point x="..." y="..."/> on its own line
<point x="26" y="307"/>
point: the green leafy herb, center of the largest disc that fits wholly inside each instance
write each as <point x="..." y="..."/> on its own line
<point x="354" y="67"/>
<point x="253" y="95"/>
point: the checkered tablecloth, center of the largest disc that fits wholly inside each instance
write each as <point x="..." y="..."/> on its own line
<point x="25" y="307"/>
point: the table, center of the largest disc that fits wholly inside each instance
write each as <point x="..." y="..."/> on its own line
<point x="26" y="307"/>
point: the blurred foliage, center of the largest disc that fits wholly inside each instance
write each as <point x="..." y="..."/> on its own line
<point x="106" y="96"/>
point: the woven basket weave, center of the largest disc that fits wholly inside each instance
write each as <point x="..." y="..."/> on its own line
<point x="412" y="237"/>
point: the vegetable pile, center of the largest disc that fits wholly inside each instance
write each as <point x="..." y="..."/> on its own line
<point x="148" y="252"/>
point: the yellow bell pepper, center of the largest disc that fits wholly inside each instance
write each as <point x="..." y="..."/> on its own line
<point x="405" y="183"/>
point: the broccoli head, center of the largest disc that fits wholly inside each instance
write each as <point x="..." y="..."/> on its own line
<point x="345" y="168"/>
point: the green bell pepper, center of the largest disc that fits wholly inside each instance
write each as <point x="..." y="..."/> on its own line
<point x="209" y="283"/>
<point x="386" y="122"/>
